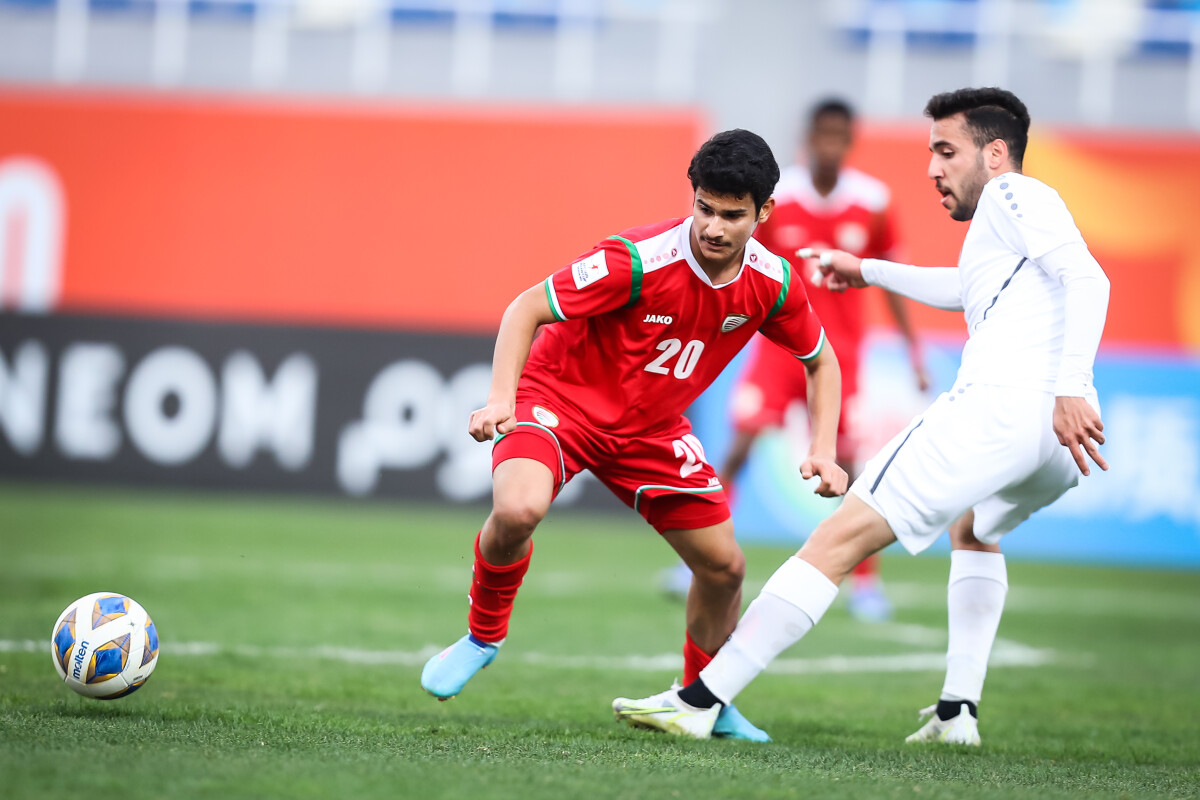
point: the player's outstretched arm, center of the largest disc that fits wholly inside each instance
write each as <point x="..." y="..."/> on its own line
<point x="520" y="322"/>
<point x="934" y="286"/>
<point x="824" y="406"/>
<point x="897" y="305"/>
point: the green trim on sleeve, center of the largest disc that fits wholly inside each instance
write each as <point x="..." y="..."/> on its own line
<point x="552" y="299"/>
<point x="816" y="350"/>
<point x="635" y="261"/>
<point x="783" y="290"/>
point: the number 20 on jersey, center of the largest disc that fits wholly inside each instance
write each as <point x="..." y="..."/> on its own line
<point x="688" y="355"/>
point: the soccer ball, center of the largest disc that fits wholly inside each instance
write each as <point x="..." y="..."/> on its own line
<point x="104" y="645"/>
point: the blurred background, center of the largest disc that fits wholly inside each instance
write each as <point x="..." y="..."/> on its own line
<point x="264" y="245"/>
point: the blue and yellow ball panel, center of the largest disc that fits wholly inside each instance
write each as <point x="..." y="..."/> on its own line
<point x="106" y="609"/>
<point x="64" y="637"/>
<point x="127" y="690"/>
<point x="151" y="649"/>
<point x="108" y="661"/>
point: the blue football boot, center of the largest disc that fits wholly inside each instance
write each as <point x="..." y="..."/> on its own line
<point x="868" y="603"/>
<point x="445" y="675"/>
<point x="676" y="581"/>
<point x="731" y="724"/>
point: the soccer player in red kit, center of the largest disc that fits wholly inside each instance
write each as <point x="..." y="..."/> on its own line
<point x="635" y="329"/>
<point x="822" y="205"/>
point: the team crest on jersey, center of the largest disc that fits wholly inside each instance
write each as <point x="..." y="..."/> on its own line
<point x="547" y="418"/>
<point x="589" y="270"/>
<point x="733" y="322"/>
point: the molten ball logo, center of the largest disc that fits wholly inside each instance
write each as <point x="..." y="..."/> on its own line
<point x="80" y="655"/>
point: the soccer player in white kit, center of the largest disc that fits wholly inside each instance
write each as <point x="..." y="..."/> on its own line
<point x="1009" y="437"/>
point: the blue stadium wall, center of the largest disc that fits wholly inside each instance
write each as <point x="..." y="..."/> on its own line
<point x="1144" y="511"/>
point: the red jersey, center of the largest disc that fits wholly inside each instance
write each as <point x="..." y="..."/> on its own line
<point x="642" y="330"/>
<point x="855" y="217"/>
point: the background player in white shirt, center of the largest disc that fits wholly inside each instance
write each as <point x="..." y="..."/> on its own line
<point x="1009" y="438"/>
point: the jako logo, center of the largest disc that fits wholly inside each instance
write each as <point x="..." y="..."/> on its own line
<point x="80" y="653"/>
<point x="659" y="318"/>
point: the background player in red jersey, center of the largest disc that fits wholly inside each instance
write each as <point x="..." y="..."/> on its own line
<point x="643" y="323"/>
<point x="822" y="205"/>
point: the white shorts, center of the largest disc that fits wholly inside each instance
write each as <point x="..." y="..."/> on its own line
<point x="988" y="448"/>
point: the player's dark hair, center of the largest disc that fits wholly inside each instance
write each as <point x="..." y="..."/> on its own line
<point x="830" y="105"/>
<point x="990" y="113"/>
<point x="735" y="163"/>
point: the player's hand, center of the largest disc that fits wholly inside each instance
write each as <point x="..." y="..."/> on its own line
<point x="838" y="269"/>
<point x="1080" y="430"/>
<point x="922" y="376"/>
<point x="920" y="373"/>
<point x="493" y="418"/>
<point x="834" y="480"/>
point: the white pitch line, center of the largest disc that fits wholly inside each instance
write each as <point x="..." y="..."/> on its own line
<point x="917" y="635"/>
<point x="1005" y="653"/>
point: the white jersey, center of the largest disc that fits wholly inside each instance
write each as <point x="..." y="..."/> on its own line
<point x="988" y="444"/>
<point x="1015" y="309"/>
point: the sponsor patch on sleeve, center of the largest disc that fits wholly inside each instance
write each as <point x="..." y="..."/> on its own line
<point x="589" y="270"/>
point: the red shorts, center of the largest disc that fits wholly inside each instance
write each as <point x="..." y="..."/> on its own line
<point x="774" y="379"/>
<point x="663" y="477"/>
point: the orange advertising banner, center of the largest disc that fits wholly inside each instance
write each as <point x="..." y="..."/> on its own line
<point x="435" y="217"/>
<point x="431" y="218"/>
<point x="1136" y="199"/>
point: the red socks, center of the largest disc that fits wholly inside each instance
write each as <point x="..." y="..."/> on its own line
<point x="867" y="568"/>
<point x="694" y="660"/>
<point x="493" y="590"/>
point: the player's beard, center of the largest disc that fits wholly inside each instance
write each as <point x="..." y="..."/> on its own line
<point x="970" y="191"/>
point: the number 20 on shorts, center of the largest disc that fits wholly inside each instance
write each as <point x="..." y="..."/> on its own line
<point x="692" y="452"/>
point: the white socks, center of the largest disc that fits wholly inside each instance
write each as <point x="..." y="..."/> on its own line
<point x="790" y="604"/>
<point x="798" y="595"/>
<point x="975" y="601"/>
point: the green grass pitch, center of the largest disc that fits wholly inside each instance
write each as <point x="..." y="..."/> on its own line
<point x="293" y="633"/>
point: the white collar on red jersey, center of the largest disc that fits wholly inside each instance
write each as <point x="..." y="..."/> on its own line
<point x="686" y="231"/>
